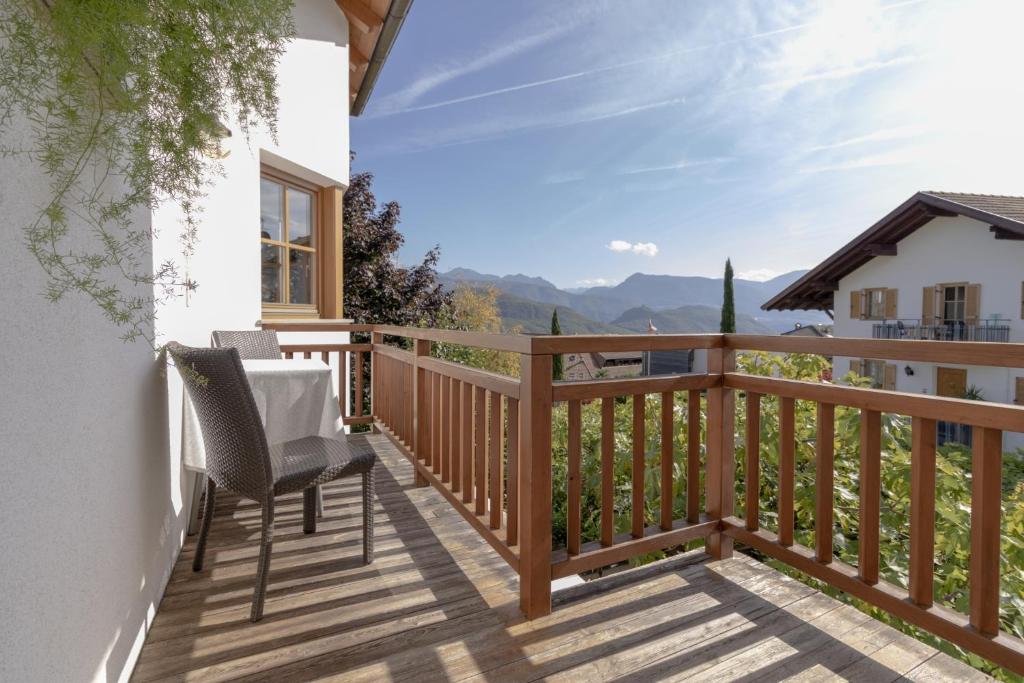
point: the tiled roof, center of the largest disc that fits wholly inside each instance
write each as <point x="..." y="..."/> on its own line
<point x="999" y="205"/>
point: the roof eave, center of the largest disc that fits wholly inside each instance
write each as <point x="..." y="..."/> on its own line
<point x="397" y="12"/>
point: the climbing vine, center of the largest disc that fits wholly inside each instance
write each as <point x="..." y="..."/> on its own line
<point x="122" y="105"/>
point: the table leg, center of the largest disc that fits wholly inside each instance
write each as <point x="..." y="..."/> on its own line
<point x="319" y="501"/>
<point x="198" y="486"/>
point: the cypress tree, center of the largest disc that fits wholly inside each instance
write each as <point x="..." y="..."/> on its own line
<point x="557" y="368"/>
<point x="728" y="304"/>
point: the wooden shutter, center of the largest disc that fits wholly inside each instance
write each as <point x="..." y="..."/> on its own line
<point x="1019" y="397"/>
<point x="928" y="306"/>
<point x="890" y="303"/>
<point x="889" y="382"/>
<point x="855" y="307"/>
<point x="973" y="305"/>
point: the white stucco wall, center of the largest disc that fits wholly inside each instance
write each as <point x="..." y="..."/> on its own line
<point x="91" y="488"/>
<point x="956" y="249"/>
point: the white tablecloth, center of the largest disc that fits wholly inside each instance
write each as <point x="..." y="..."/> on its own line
<point x="295" y="398"/>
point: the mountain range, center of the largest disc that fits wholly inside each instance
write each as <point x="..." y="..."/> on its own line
<point x="673" y="303"/>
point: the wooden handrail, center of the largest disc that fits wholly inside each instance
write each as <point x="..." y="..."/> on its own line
<point x="484" y="441"/>
<point x="992" y="354"/>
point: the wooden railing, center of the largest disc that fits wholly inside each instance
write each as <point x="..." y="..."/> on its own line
<point x="485" y="442"/>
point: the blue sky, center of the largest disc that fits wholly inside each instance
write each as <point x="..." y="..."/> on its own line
<point x="585" y="141"/>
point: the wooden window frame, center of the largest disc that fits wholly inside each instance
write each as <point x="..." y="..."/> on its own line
<point x="327" y="247"/>
<point x="941" y="308"/>
<point x="866" y="303"/>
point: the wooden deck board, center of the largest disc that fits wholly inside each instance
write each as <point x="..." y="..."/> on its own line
<point x="439" y="604"/>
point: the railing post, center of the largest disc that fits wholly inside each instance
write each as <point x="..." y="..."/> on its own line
<point x="535" y="485"/>
<point x="420" y="395"/>
<point x="375" y="388"/>
<point x="721" y="457"/>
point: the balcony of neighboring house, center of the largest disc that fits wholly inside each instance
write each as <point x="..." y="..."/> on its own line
<point x="986" y="330"/>
<point x="476" y="577"/>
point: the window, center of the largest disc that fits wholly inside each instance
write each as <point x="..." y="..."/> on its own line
<point x="875" y="303"/>
<point x="875" y="369"/>
<point x="289" y="240"/>
<point x="954" y="303"/>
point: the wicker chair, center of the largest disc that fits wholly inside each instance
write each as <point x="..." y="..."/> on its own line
<point x="251" y="344"/>
<point x="238" y="458"/>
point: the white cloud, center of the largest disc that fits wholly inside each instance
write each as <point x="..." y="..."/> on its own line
<point x="597" y="282"/>
<point x="758" y="274"/>
<point x="882" y="135"/>
<point x="439" y="75"/>
<point x="678" y="166"/>
<point x="642" y="248"/>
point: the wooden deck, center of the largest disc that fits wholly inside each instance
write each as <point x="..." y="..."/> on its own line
<point x="439" y="604"/>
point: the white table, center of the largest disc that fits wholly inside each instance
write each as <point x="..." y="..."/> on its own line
<point x="295" y="398"/>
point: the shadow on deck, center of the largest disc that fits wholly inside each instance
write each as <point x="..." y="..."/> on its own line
<point x="438" y="604"/>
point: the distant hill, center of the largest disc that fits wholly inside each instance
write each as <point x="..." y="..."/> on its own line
<point x="686" y="319"/>
<point x="657" y="292"/>
<point x="533" y="317"/>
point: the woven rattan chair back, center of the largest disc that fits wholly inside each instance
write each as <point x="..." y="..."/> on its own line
<point x="251" y="344"/>
<point x="237" y="456"/>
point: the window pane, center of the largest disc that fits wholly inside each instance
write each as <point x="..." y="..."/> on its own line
<point x="300" y="217"/>
<point x="300" y="275"/>
<point x="271" y="209"/>
<point x="272" y="276"/>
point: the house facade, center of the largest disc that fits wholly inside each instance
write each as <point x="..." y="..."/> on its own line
<point x="943" y="267"/>
<point x="92" y="426"/>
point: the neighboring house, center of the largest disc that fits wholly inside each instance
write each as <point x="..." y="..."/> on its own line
<point x="92" y="425"/>
<point x="941" y="266"/>
<point x="586" y="366"/>
<point x="809" y="331"/>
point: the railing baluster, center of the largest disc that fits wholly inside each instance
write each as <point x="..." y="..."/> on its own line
<point x="573" y="513"/>
<point x="446" y="433"/>
<point x="752" y="463"/>
<point x="358" y="371"/>
<point x="607" y="470"/>
<point x="421" y="401"/>
<point x="824" y="482"/>
<point x="986" y="496"/>
<point x="639" y="438"/>
<point x="922" y="511"/>
<point x="435" y="423"/>
<point x="455" y="438"/>
<point x="342" y="384"/>
<point x="308" y="355"/>
<point x="496" y="448"/>
<point x="870" y="495"/>
<point x="512" y="515"/>
<point x="480" y="449"/>
<point x="466" y="447"/>
<point x="693" y="455"/>
<point x="667" y="457"/>
<point x="787" y="468"/>
<point x="720" y="464"/>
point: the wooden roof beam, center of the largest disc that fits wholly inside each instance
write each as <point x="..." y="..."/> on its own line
<point x="881" y="249"/>
<point x="1004" y="234"/>
<point x="825" y="285"/>
<point x="360" y="14"/>
<point x="357" y="60"/>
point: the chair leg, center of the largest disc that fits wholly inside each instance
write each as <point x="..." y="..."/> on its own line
<point x="263" y="568"/>
<point x="309" y="510"/>
<point x="204" y="531"/>
<point x="368" y="482"/>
